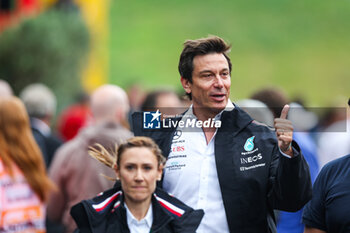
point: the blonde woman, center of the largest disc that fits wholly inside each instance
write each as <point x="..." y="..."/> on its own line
<point x="135" y="205"/>
<point x="24" y="185"/>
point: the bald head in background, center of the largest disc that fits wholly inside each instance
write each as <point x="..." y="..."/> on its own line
<point x="5" y="89"/>
<point x="109" y="103"/>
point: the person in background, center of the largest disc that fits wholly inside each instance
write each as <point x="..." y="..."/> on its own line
<point x="74" y="117"/>
<point x="135" y="205"/>
<point x="275" y="99"/>
<point x="40" y="103"/>
<point x="257" y="110"/>
<point x="334" y="140"/>
<point x="328" y="210"/>
<point x="166" y="101"/>
<point x="136" y="95"/>
<point x="5" y="89"/>
<point x="24" y="184"/>
<point x="73" y="170"/>
<point x="237" y="171"/>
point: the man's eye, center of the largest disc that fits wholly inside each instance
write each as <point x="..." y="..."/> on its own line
<point x="207" y="75"/>
<point x="148" y="168"/>
<point x="129" y="167"/>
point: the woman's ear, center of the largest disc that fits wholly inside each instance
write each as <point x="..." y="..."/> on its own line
<point x="160" y="172"/>
<point x="117" y="172"/>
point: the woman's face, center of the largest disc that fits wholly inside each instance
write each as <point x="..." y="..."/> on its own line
<point x="138" y="172"/>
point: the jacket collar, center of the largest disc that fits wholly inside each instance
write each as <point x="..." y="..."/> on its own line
<point x="234" y="121"/>
<point x="111" y="203"/>
<point x="160" y="217"/>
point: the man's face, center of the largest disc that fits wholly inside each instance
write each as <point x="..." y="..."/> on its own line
<point x="210" y="87"/>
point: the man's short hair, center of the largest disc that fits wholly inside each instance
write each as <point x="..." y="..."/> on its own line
<point x="275" y="98"/>
<point x="152" y="99"/>
<point x="39" y="100"/>
<point x="203" y="46"/>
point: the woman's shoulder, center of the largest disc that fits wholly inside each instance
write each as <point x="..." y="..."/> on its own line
<point x="103" y="201"/>
<point x="94" y="212"/>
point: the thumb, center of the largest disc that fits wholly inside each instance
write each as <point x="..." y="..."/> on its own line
<point x="285" y="111"/>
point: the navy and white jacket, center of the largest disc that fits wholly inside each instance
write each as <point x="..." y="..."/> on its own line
<point x="253" y="183"/>
<point x="106" y="214"/>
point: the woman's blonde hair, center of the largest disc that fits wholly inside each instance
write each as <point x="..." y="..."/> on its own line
<point x="17" y="145"/>
<point x="111" y="159"/>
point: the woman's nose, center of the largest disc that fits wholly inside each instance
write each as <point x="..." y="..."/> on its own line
<point x="138" y="175"/>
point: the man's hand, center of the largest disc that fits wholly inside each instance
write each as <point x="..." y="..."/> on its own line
<point x="284" y="132"/>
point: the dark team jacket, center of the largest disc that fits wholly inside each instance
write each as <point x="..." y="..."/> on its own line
<point x="106" y="214"/>
<point x="254" y="182"/>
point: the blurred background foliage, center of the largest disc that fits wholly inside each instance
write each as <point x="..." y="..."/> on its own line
<point x="301" y="46"/>
<point x="49" y="49"/>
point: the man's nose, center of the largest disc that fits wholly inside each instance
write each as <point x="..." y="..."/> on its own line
<point x="218" y="82"/>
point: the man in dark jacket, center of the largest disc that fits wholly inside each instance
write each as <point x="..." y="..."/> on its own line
<point x="218" y="158"/>
<point x="40" y="103"/>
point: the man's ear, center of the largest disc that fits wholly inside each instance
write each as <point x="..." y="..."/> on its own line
<point x="187" y="85"/>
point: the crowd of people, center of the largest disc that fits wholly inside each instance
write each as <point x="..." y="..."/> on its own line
<point x="269" y="165"/>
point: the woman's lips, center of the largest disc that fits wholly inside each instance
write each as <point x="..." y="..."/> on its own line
<point x="138" y="187"/>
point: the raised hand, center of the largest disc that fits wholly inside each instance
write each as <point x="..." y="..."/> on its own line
<point x="284" y="131"/>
